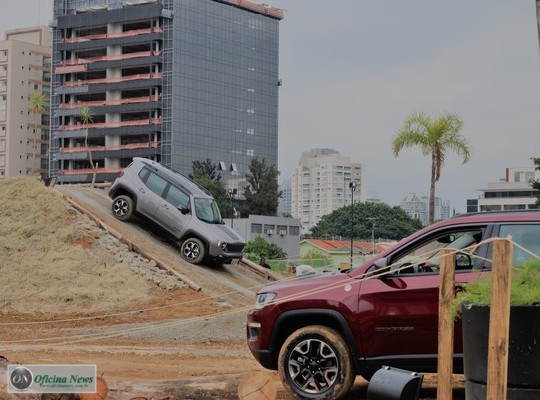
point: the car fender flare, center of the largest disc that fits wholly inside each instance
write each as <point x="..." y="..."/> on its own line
<point x="124" y="189"/>
<point x="284" y="320"/>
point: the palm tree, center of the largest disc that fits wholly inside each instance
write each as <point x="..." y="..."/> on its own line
<point x="37" y="102"/>
<point x="435" y="137"/>
<point x="87" y="117"/>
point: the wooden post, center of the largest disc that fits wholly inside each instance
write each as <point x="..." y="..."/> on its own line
<point x="499" y="320"/>
<point x="446" y="325"/>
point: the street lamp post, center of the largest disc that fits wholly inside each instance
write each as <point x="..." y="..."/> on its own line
<point x="231" y="193"/>
<point x="352" y="186"/>
<point x="372" y="219"/>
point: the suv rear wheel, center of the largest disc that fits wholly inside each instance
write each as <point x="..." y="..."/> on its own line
<point x="315" y="363"/>
<point x="192" y="250"/>
<point x="122" y="207"/>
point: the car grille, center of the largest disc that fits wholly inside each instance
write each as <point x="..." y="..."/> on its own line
<point x="235" y="247"/>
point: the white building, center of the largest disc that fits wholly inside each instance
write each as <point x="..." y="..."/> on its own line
<point x="25" y="57"/>
<point x="514" y="192"/>
<point x="415" y="207"/>
<point x="285" y="201"/>
<point x="320" y="184"/>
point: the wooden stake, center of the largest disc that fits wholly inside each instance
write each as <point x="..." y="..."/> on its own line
<point x="499" y="320"/>
<point x="446" y="325"/>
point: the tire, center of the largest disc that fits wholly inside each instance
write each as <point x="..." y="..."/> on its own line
<point x="122" y="207"/>
<point x="316" y="363"/>
<point x="192" y="250"/>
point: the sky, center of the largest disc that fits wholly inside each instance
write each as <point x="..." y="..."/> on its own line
<point x="353" y="70"/>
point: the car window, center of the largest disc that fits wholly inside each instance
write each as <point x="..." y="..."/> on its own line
<point x="527" y="236"/>
<point x="177" y="197"/>
<point x="207" y="210"/>
<point x="156" y="183"/>
<point x="425" y="255"/>
<point x="143" y="174"/>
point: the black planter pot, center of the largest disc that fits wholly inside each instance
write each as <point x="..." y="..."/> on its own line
<point x="523" y="354"/>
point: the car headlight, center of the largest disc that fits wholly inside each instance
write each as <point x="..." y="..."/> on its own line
<point x="263" y="299"/>
<point x="222" y="245"/>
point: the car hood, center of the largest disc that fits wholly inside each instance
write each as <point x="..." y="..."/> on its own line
<point x="225" y="233"/>
<point x="307" y="282"/>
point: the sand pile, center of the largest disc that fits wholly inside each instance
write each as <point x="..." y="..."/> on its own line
<point x="51" y="260"/>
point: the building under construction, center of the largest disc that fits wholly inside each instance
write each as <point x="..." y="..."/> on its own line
<point x="172" y="80"/>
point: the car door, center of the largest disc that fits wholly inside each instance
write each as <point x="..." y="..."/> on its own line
<point x="398" y="311"/>
<point x="174" y="211"/>
<point x="149" y="193"/>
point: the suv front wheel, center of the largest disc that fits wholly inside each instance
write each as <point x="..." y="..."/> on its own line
<point x="192" y="250"/>
<point x="315" y="363"/>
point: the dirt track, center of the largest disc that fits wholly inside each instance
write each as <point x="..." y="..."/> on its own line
<point x="183" y="344"/>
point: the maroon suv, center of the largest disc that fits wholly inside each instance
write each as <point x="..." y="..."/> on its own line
<point x="322" y="330"/>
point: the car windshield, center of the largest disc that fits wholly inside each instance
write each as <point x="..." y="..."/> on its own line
<point x="207" y="210"/>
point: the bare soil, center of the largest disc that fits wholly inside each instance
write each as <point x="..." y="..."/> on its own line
<point x="163" y="342"/>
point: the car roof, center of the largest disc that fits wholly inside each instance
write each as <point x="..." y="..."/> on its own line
<point x="176" y="177"/>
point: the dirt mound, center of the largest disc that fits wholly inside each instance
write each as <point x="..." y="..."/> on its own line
<point x="51" y="259"/>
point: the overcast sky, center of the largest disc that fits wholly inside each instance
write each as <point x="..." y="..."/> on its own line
<point x="353" y="70"/>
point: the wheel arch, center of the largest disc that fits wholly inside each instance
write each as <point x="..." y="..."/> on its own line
<point x="122" y="190"/>
<point x="290" y="321"/>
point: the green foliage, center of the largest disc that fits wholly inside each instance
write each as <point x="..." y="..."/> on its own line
<point x="435" y="137"/>
<point x="205" y="168"/>
<point x="390" y="222"/>
<point x="38" y="102"/>
<point x="316" y="258"/>
<point x="260" y="248"/>
<point x="87" y="115"/>
<point x="261" y="193"/>
<point x="525" y="287"/>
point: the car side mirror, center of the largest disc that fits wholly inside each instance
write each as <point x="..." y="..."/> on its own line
<point x="183" y="210"/>
<point x="381" y="263"/>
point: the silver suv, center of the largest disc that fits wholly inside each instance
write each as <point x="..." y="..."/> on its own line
<point x="174" y="202"/>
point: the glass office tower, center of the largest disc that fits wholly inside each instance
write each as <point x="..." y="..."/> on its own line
<point x="172" y="80"/>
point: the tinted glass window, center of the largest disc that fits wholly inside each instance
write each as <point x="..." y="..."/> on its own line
<point x="425" y="257"/>
<point x="177" y="197"/>
<point x="527" y="239"/>
<point x="156" y="183"/>
<point x="143" y="173"/>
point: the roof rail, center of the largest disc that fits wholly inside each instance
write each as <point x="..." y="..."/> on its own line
<point x="530" y="210"/>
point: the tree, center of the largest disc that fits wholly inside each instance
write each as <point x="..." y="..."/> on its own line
<point x="206" y="174"/>
<point x="205" y="168"/>
<point x="87" y="117"/>
<point x="37" y="102"/>
<point x="261" y="193"/>
<point x="259" y="248"/>
<point x="361" y="220"/>
<point x="435" y="137"/>
<point x="535" y="183"/>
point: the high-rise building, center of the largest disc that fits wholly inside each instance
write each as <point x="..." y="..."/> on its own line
<point x="415" y="207"/>
<point x="172" y="80"/>
<point x="25" y="57"/>
<point x="285" y="201"/>
<point x="321" y="183"/>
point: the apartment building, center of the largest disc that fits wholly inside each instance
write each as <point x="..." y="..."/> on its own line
<point x="321" y="183"/>
<point x="514" y="192"/>
<point x="173" y="80"/>
<point x="24" y="70"/>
